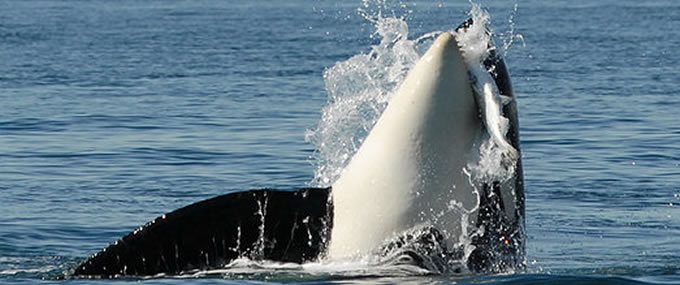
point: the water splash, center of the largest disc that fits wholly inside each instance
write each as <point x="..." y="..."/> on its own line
<point x="511" y="35"/>
<point x="270" y="271"/>
<point x="360" y="87"/>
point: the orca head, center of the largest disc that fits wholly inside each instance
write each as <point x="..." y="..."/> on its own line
<point x="412" y="169"/>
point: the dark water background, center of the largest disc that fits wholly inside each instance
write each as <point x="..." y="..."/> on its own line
<point x="114" y="112"/>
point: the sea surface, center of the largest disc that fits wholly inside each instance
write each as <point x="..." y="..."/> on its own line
<point x="115" y="112"/>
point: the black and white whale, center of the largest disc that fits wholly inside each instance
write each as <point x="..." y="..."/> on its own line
<point x="406" y="194"/>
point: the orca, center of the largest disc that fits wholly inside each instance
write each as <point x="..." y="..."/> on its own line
<point x="394" y="199"/>
<point x="412" y="165"/>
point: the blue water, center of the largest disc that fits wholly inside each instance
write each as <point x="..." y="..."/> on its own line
<point x="114" y="112"/>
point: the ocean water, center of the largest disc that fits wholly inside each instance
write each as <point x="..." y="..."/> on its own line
<point x="112" y="113"/>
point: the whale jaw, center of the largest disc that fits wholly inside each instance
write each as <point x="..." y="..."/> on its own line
<point x="411" y="166"/>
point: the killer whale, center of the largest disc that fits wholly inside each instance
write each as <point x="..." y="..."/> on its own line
<point x="412" y="166"/>
<point x="320" y="223"/>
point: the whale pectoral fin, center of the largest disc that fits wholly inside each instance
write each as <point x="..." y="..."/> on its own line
<point x="288" y="226"/>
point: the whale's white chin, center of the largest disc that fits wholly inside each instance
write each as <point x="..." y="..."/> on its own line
<point x="410" y="169"/>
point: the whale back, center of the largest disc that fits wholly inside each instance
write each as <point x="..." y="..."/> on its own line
<point x="289" y="226"/>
